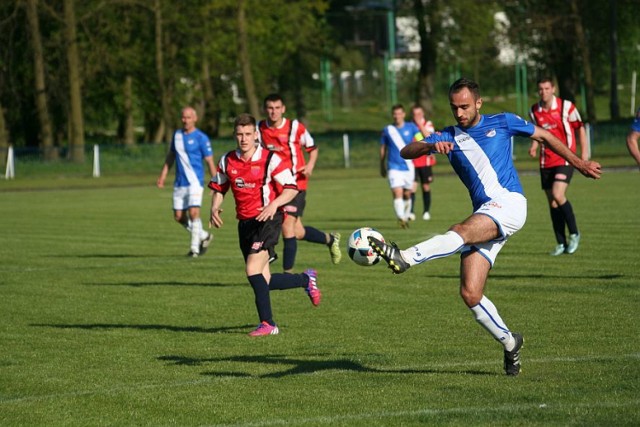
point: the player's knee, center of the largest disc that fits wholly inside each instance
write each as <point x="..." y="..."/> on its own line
<point x="470" y="297"/>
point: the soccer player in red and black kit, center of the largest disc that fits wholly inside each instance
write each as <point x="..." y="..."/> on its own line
<point x="261" y="183"/>
<point x="562" y="119"/>
<point x="290" y="138"/>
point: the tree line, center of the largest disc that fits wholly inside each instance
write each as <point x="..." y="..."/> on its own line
<point x="70" y="68"/>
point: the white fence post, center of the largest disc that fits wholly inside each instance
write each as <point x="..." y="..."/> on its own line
<point x="11" y="171"/>
<point x="96" y="161"/>
<point x="345" y="149"/>
<point x="633" y="93"/>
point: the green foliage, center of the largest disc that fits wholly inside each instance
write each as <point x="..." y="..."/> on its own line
<point x="104" y="321"/>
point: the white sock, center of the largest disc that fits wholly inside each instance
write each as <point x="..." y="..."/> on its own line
<point x="196" y="229"/>
<point x="398" y="207"/>
<point x="438" y="246"/>
<point x="407" y="208"/>
<point x="487" y="316"/>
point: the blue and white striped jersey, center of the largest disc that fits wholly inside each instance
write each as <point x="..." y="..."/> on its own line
<point x="190" y="149"/>
<point x="395" y="139"/>
<point x="482" y="156"/>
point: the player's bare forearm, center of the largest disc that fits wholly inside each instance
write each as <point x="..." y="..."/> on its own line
<point x="415" y="150"/>
<point x="214" y="217"/>
<point x="270" y="210"/>
<point x="632" y="145"/>
<point x="587" y="168"/>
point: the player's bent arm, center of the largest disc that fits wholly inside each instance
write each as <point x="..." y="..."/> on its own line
<point x="533" y="148"/>
<point x="584" y="144"/>
<point x="311" y="164"/>
<point x="287" y="195"/>
<point x="420" y="148"/>
<point x="211" y="164"/>
<point x="383" y="166"/>
<point x="632" y="145"/>
<point x="216" y="201"/>
<point x="585" y="167"/>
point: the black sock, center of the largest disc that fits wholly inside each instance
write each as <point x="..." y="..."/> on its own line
<point x="557" y="221"/>
<point x="569" y="217"/>
<point x="289" y="253"/>
<point x="314" y="235"/>
<point x="413" y="201"/>
<point x="426" y="200"/>
<point x="281" y="281"/>
<point x="263" y="302"/>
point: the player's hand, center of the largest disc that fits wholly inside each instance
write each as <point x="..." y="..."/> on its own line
<point x="214" y="219"/>
<point x="590" y="169"/>
<point x="160" y="183"/>
<point x="383" y="171"/>
<point x="267" y="212"/>
<point x="533" y="152"/>
<point x="443" y="147"/>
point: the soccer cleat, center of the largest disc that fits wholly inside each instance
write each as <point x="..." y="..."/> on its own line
<point x="411" y="217"/>
<point x="312" y="288"/>
<point x="390" y="253"/>
<point x="193" y="254"/>
<point x="264" y="329"/>
<point x="574" y="241"/>
<point x="204" y="243"/>
<point x="404" y="224"/>
<point x="512" y="358"/>
<point x="426" y="216"/>
<point x="559" y="250"/>
<point x="334" y="249"/>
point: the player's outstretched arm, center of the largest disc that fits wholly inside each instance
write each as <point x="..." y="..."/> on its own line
<point x="587" y="168"/>
<point x="418" y="148"/>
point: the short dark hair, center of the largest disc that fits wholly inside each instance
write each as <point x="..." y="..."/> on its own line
<point x="273" y="97"/>
<point x="545" y="79"/>
<point x="397" y="107"/>
<point x="462" y="83"/>
<point x="244" y="119"/>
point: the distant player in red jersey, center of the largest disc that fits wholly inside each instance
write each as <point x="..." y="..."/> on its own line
<point x="562" y="119"/>
<point x="261" y="183"/>
<point x="423" y="164"/>
<point x="291" y="139"/>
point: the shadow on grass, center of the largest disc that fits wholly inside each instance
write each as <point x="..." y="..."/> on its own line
<point x="97" y="326"/>
<point x="303" y="366"/>
<point x="114" y="256"/>
<point x="143" y="284"/>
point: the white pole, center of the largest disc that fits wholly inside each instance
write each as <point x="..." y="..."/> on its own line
<point x="96" y="161"/>
<point x="10" y="172"/>
<point x="345" y="149"/>
<point x="633" y="93"/>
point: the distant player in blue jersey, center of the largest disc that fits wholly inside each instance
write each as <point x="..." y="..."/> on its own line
<point x="479" y="149"/>
<point x="399" y="171"/>
<point x="632" y="138"/>
<point x="189" y="147"/>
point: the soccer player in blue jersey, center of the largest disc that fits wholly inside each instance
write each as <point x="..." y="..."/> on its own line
<point x="189" y="148"/>
<point x="479" y="150"/>
<point x="399" y="171"/>
<point x="632" y="138"/>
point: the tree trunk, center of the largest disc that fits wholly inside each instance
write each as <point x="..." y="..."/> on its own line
<point x="163" y="125"/>
<point x="127" y="135"/>
<point x="4" y="139"/>
<point x="428" y="56"/>
<point x="583" y="48"/>
<point x="46" y="134"/>
<point x="614" y="106"/>
<point x="76" y="134"/>
<point x="211" y="115"/>
<point x="245" y="61"/>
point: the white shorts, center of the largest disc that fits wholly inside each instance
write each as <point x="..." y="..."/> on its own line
<point x="402" y="179"/>
<point x="187" y="197"/>
<point x="509" y="212"/>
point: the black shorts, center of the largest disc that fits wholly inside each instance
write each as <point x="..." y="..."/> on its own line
<point x="295" y="207"/>
<point x="550" y="175"/>
<point x="424" y="174"/>
<point x="256" y="236"/>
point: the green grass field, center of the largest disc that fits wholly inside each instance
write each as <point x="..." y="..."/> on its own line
<point x="104" y="321"/>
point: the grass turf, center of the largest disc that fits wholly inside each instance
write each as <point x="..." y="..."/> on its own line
<point x="104" y="321"/>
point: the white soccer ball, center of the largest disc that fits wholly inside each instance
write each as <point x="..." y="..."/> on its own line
<point x="359" y="249"/>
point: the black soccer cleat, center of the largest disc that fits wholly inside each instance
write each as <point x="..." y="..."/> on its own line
<point x="389" y="253"/>
<point x="512" y="358"/>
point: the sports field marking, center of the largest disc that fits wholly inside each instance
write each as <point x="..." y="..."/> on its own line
<point x="436" y="412"/>
<point x="128" y="388"/>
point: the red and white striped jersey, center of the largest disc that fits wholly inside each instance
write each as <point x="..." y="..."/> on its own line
<point x="255" y="182"/>
<point x="289" y="140"/>
<point x="562" y="119"/>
